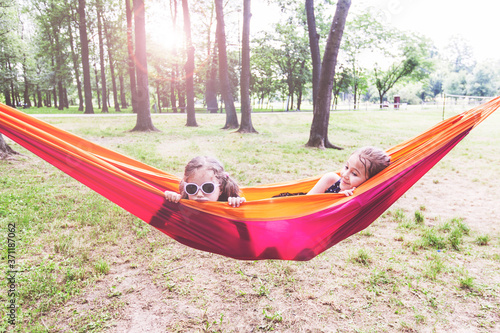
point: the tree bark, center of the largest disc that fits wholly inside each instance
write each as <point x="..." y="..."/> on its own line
<point x="211" y="83"/>
<point x="84" y="41"/>
<point x="123" y="99"/>
<point x="101" y="60"/>
<point x="319" y="127"/>
<point x="314" y="46"/>
<point x="144" y="121"/>
<point x="246" y="107"/>
<point x="131" y="65"/>
<point x="5" y="149"/>
<point x="111" y="66"/>
<point x="231" y="118"/>
<point x="74" y="57"/>
<point x="189" y="67"/>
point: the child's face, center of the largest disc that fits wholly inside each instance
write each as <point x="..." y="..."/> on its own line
<point x="200" y="177"/>
<point x="353" y="174"/>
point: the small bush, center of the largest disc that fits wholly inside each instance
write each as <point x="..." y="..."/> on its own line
<point x="455" y="238"/>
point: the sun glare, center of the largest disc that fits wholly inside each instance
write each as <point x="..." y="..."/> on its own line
<point x="159" y="27"/>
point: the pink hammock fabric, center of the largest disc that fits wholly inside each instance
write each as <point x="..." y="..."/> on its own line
<point x="287" y="228"/>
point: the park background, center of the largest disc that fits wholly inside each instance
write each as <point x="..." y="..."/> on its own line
<point x="430" y="263"/>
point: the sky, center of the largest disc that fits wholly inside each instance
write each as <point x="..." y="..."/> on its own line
<point x="476" y="21"/>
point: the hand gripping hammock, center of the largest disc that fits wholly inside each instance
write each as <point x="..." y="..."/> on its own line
<point x="288" y="228"/>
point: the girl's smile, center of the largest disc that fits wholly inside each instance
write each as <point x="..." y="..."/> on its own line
<point x="353" y="173"/>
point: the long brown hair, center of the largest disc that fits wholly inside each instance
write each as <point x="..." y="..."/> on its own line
<point x="228" y="186"/>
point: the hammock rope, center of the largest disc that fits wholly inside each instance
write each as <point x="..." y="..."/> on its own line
<point x="287" y="228"/>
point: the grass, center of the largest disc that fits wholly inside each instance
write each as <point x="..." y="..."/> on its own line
<point x="87" y="265"/>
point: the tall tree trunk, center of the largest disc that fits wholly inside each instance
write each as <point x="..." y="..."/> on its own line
<point x="131" y="64"/>
<point x="54" y="94"/>
<point x="84" y="41"/>
<point x="314" y="46"/>
<point x="246" y="107"/>
<point x="101" y="60"/>
<point x="76" y="68"/>
<point x="5" y="149"/>
<point x="8" y="100"/>
<point x="173" y="100"/>
<point x="144" y="121"/>
<point x="111" y="66"/>
<point x="211" y="81"/>
<point x="189" y="67"/>
<point x="211" y="86"/>
<point x="123" y="99"/>
<point x="96" y="75"/>
<point x="227" y="96"/>
<point x="319" y="128"/>
<point x="39" y="95"/>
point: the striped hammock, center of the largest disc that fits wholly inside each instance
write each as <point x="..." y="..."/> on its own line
<point x="287" y="228"/>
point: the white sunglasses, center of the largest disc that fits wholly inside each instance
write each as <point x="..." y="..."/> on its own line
<point x="207" y="188"/>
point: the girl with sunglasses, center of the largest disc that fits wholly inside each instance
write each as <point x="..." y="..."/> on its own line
<point x="205" y="180"/>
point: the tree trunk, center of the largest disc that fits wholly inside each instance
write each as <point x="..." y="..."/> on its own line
<point x="111" y="66"/>
<point x="84" y="41"/>
<point x="74" y="57"/>
<point x="131" y="65"/>
<point x="123" y="99"/>
<point x="314" y="46"/>
<point x="5" y="150"/>
<point x="211" y="83"/>
<point x="246" y="107"/>
<point x="231" y="118"/>
<point x="96" y="75"/>
<point x="189" y="67"/>
<point x="101" y="60"/>
<point x="173" y="83"/>
<point x="319" y="127"/>
<point x="144" y="121"/>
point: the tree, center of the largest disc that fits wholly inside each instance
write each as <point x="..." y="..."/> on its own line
<point x="363" y="32"/>
<point x="246" y="108"/>
<point x="144" y="121"/>
<point x="459" y="53"/>
<point x="75" y="58"/>
<point x="110" y="44"/>
<point x="482" y="81"/>
<point x="130" y="47"/>
<point x="100" y="32"/>
<point x="189" y="67"/>
<point x="314" y="46"/>
<point x="231" y="118"/>
<point x="321" y="115"/>
<point x="412" y="65"/>
<point x="5" y="149"/>
<point x="84" y="44"/>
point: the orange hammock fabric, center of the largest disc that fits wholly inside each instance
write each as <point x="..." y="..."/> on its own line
<point x="288" y="228"/>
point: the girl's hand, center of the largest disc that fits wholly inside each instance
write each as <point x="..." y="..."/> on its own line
<point x="172" y="196"/>
<point x="235" y="201"/>
<point x="348" y="193"/>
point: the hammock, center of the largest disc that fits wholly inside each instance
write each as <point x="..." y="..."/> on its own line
<point x="287" y="228"/>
